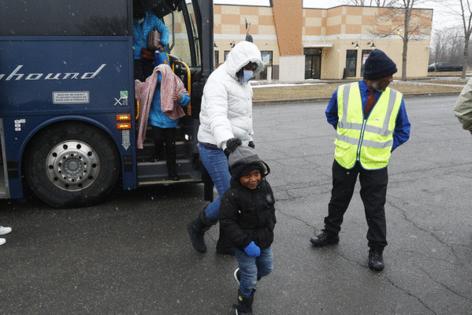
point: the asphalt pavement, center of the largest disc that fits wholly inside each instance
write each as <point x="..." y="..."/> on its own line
<point x="131" y="254"/>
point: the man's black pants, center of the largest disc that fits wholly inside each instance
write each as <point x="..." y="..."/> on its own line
<point x="373" y="193"/>
<point x="167" y="136"/>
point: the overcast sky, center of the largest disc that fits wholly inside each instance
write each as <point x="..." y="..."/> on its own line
<point x="441" y="16"/>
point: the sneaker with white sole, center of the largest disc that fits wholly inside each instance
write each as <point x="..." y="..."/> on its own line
<point x="237" y="275"/>
<point x="4" y="230"/>
<point x="2" y="241"/>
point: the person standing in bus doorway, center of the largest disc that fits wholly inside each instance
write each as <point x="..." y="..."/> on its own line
<point x="144" y="21"/>
<point x="3" y="231"/>
<point x="164" y="126"/>
<point x="162" y="96"/>
<point x="371" y="121"/>
<point x="225" y="124"/>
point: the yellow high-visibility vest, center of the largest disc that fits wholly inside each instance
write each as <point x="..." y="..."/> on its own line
<point x="370" y="140"/>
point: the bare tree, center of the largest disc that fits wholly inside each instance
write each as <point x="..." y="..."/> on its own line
<point x="403" y="21"/>
<point x="407" y="8"/>
<point x="466" y="15"/>
<point x="374" y="3"/>
<point x="447" y="45"/>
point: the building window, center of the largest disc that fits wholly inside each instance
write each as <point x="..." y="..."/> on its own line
<point x="351" y="63"/>
<point x="267" y="60"/>
<point x="365" y="54"/>
<point x="216" y="60"/>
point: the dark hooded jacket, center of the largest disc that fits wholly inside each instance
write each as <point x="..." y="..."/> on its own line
<point x="248" y="215"/>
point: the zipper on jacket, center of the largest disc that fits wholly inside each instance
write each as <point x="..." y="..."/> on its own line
<point x="361" y="138"/>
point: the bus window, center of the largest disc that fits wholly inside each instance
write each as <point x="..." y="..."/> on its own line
<point x="64" y="17"/>
<point x="182" y="47"/>
<point x="196" y="39"/>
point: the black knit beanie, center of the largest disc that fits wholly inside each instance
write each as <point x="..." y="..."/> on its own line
<point x="378" y="65"/>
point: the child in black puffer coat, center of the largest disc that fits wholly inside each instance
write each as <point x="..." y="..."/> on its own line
<point x="247" y="217"/>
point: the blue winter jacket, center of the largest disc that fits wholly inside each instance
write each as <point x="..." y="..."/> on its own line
<point x="401" y="133"/>
<point x="141" y="29"/>
<point x="156" y="117"/>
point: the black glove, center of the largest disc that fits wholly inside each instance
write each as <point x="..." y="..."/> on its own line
<point x="251" y="144"/>
<point x="231" y="145"/>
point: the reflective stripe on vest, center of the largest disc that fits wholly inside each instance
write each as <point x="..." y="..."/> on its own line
<point x="366" y="140"/>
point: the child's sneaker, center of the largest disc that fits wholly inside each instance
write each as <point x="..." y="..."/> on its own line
<point x="244" y="306"/>
<point x="4" y="230"/>
<point x="237" y="275"/>
<point x="2" y="241"/>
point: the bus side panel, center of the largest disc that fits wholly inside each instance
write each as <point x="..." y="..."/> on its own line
<point x="50" y="79"/>
<point x="16" y="150"/>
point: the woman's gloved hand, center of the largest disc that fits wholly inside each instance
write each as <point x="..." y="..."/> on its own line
<point x="231" y="145"/>
<point x="252" y="250"/>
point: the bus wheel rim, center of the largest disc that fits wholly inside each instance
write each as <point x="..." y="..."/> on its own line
<point x="72" y="165"/>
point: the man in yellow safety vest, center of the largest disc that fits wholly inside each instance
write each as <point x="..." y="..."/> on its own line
<point x="371" y="121"/>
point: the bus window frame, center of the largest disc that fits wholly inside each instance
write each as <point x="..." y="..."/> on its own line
<point x="130" y="12"/>
<point x="198" y="22"/>
<point x="188" y="27"/>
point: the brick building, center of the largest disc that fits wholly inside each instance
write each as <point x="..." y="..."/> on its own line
<point x="307" y="43"/>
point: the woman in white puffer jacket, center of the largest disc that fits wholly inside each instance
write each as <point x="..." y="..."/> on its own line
<point x="225" y="123"/>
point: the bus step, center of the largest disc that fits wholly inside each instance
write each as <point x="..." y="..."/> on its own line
<point x="147" y="154"/>
<point x="158" y="170"/>
<point x="183" y="179"/>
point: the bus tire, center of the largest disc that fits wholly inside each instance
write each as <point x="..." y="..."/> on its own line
<point x="71" y="165"/>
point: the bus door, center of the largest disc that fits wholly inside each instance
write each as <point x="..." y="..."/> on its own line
<point x="185" y="60"/>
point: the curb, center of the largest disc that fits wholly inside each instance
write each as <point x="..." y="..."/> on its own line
<point x="323" y="99"/>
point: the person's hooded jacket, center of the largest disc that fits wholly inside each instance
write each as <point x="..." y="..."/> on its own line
<point x="463" y="108"/>
<point x="226" y="110"/>
<point x="141" y="29"/>
<point x="248" y="215"/>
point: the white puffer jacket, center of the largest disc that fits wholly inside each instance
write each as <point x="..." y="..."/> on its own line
<point x="226" y="110"/>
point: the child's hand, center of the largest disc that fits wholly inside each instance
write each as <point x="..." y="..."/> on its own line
<point x="178" y="98"/>
<point x="252" y="250"/>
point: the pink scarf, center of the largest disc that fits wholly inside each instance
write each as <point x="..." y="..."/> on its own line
<point x="171" y="88"/>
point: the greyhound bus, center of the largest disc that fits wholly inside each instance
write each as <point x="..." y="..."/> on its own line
<point x="67" y="107"/>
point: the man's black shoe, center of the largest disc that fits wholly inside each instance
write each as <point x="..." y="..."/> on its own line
<point x="376" y="262"/>
<point x="324" y="239"/>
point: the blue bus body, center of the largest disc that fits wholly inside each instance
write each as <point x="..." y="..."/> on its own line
<point x="35" y="71"/>
<point x="63" y="89"/>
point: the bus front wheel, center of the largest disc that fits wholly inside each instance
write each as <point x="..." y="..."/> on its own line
<point x="71" y="165"/>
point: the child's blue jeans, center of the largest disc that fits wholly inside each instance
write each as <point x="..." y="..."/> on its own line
<point x="253" y="268"/>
